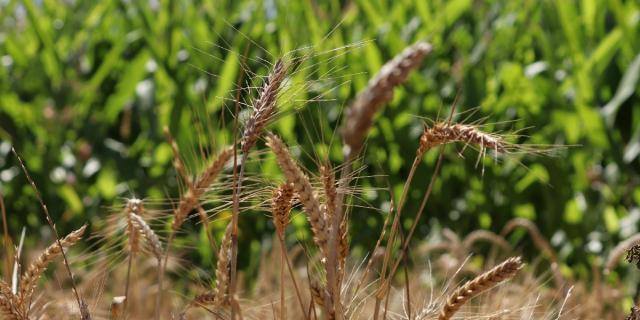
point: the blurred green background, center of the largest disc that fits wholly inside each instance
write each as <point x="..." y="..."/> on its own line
<point x="86" y="87"/>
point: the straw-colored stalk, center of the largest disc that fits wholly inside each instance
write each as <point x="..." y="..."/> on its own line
<point x="483" y="282"/>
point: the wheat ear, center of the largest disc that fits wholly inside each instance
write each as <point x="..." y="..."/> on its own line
<point x="152" y="238"/>
<point x="331" y="195"/>
<point x="359" y="116"/>
<point x="619" y="251"/>
<point x="303" y="188"/>
<point x="223" y="267"/>
<point x="264" y="107"/>
<point x="9" y="303"/>
<point x="443" y="133"/>
<point x="190" y="199"/>
<point x="280" y="209"/>
<point x="82" y="306"/>
<point x="218" y="296"/>
<point x="134" y="207"/>
<point x="29" y="280"/>
<point x="483" y="282"/>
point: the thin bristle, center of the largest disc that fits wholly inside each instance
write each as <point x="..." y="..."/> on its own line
<point x="30" y="278"/>
<point x="153" y="240"/>
<point x="359" y="117"/>
<point x="483" y="282"/>
<point x="281" y="206"/>
<point x="264" y="107"/>
<point x="303" y="188"/>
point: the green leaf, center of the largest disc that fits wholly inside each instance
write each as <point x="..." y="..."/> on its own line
<point x="126" y="88"/>
<point x="628" y="85"/>
<point x="611" y="220"/>
<point x="225" y="82"/>
<point x="603" y="54"/>
<point x="106" y="183"/>
<point x="71" y="198"/>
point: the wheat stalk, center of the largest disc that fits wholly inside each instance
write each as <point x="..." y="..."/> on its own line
<point x="483" y="282"/>
<point x="303" y="188"/>
<point x="29" y="280"/>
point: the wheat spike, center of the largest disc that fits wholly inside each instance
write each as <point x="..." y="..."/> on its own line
<point x="189" y="200"/>
<point x="9" y="303"/>
<point x="134" y="207"/>
<point x="264" y="107"/>
<point x="443" y="133"/>
<point x="303" y="188"/>
<point x="142" y="228"/>
<point x="483" y="282"/>
<point x="281" y="204"/>
<point x="331" y="194"/>
<point x="359" y="116"/>
<point x="30" y="278"/>
<point x="619" y="251"/>
<point x="223" y="267"/>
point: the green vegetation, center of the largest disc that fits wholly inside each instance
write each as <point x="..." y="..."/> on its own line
<point x="86" y="87"/>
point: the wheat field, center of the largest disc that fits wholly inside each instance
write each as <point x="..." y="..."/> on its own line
<point x="135" y="267"/>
